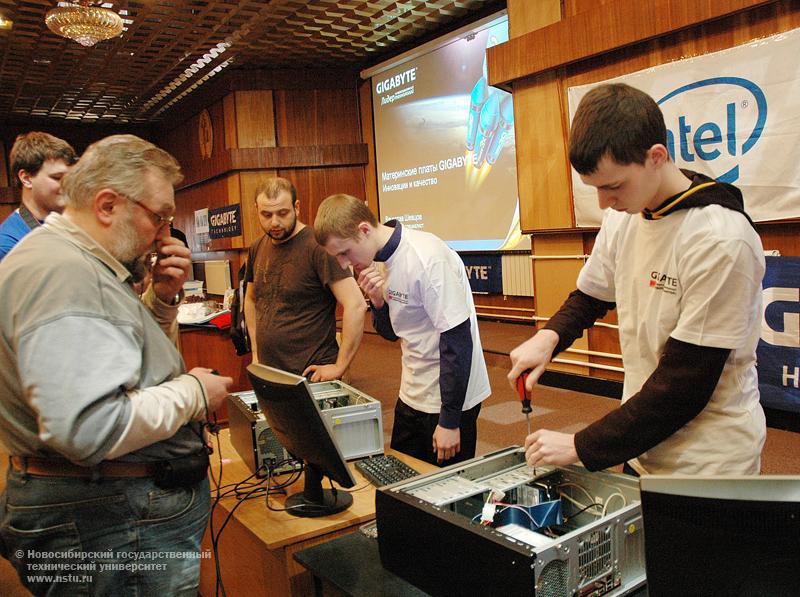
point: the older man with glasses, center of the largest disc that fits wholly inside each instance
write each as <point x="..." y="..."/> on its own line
<point x="107" y="488"/>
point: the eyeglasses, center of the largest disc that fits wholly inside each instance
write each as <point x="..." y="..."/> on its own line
<point x="159" y="220"/>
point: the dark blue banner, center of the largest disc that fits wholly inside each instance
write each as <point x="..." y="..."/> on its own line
<point x="485" y="273"/>
<point x="779" y="347"/>
<point x="225" y="221"/>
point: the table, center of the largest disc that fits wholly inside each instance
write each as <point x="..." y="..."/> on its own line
<point x="351" y="565"/>
<point x="257" y="546"/>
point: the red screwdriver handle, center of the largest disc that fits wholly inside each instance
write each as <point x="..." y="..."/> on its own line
<point x="524" y="395"/>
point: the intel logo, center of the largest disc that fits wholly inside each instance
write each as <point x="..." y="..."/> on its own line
<point x="712" y="132"/>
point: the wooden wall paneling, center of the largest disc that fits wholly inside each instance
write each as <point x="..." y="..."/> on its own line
<point x="188" y="200"/>
<point x="709" y="37"/>
<point x="601" y="338"/>
<point x="255" y="119"/>
<point x="317" y="117"/>
<point x="516" y="308"/>
<point x="183" y="142"/>
<point x="542" y="166"/>
<point x="250" y="182"/>
<point x="6" y="209"/>
<point x="297" y="156"/>
<point x="229" y="121"/>
<point x="599" y="30"/>
<point x="368" y="135"/>
<point x="5" y="180"/>
<point x="783" y="237"/>
<point x="554" y="279"/>
<point x="315" y="184"/>
<point x="528" y="15"/>
<point x="9" y="195"/>
<point x="573" y="7"/>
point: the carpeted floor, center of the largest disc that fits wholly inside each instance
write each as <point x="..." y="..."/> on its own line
<point x="376" y="371"/>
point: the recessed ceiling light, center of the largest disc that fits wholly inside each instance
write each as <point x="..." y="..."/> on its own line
<point x="41" y="61"/>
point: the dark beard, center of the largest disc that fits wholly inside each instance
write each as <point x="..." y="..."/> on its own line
<point x="137" y="268"/>
<point x="287" y="233"/>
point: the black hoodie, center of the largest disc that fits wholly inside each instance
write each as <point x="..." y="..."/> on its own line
<point x="711" y="193"/>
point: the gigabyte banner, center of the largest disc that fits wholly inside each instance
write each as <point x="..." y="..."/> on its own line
<point x="225" y="221"/>
<point x="732" y="115"/>
<point x="485" y="273"/>
<point x="779" y="346"/>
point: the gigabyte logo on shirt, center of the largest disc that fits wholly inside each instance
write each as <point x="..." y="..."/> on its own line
<point x="396" y="295"/>
<point x="659" y="281"/>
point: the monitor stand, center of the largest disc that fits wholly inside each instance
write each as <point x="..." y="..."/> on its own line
<point x="315" y="501"/>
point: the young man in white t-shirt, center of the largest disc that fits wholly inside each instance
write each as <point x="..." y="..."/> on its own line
<point x="679" y="259"/>
<point x="422" y="297"/>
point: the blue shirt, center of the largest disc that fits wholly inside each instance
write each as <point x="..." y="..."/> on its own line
<point x="12" y="230"/>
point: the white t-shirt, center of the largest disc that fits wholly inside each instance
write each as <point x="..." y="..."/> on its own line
<point x="428" y="293"/>
<point x="694" y="276"/>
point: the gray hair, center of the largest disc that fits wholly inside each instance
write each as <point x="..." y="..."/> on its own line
<point x="118" y="162"/>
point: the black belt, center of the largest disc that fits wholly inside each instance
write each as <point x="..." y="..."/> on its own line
<point x="56" y="467"/>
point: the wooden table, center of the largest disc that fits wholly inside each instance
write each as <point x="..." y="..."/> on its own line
<point x="257" y="546"/>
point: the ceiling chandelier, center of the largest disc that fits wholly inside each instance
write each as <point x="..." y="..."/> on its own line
<point x="84" y="23"/>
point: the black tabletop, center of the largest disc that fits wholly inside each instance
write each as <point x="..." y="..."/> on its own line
<point x="352" y="564"/>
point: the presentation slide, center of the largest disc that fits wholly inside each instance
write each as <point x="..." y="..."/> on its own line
<point x="445" y="148"/>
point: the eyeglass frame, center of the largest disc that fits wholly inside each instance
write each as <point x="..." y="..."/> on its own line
<point x="162" y="220"/>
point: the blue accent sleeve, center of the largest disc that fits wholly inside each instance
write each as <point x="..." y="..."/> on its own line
<point x="455" y="363"/>
<point x="382" y="323"/>
<point x="12" y="230"/>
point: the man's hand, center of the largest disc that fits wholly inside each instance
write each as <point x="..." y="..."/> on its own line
<point x="550" y="447"/>
<point x="371" y="281"/>
<point x="323" y="372"/>
<point x="446" y="443"/>
<point x="534" y="354"/>
<point x="171" y="269"/>
<point x="217" y="387"/>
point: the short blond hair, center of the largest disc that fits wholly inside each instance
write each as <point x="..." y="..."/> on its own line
<point x="118" y="162"/>
<point x="339" y="215"/>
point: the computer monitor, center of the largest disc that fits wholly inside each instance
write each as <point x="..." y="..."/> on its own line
<point x="714" y="535"/>
<point x="294" y="416"/>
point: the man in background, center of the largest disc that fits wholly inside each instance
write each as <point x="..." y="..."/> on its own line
<point x="423" y="299"/>
<point x="104" y="427"/>
<point x="38" y="162"/>
<point x="293" y="286"/>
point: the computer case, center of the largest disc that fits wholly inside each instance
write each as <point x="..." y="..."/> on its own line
<point x="253" y="440"/>
<point x="430" y="531"/>
<point x="354" y="418"/>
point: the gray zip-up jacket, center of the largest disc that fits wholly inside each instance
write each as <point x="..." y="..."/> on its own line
<point x="87" y="371"/>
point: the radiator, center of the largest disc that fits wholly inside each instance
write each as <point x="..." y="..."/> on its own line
<point x="517" y="275"/>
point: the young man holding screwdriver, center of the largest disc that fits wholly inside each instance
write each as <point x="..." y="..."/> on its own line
<point x="679" y="259"/>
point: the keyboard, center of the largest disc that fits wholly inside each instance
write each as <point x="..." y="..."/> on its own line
<point x="385" y="469"/>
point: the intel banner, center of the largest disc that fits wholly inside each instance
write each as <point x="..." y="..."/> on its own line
<point x="733" y="115"/>
<point x="779" y="346"/>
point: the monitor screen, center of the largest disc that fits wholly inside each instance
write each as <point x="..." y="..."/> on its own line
<point x="721" y="535"/>
<point x="294" y="416"/>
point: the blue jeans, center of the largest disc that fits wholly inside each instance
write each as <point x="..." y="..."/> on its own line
<point x="121" y="537"/>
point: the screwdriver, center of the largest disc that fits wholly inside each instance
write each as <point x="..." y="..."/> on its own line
<point x="525" y="397"/>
